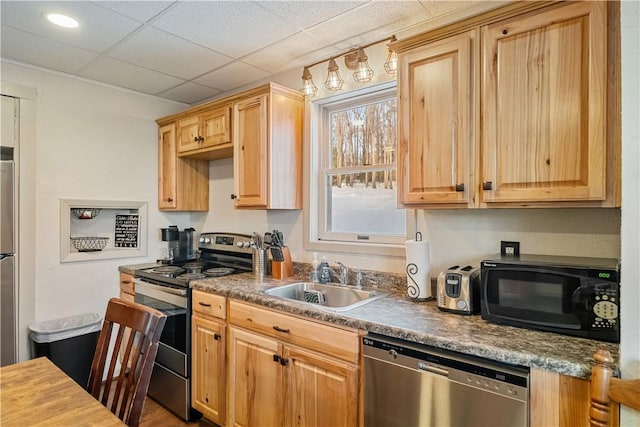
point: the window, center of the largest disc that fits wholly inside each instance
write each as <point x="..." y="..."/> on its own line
<point x="353" y="178"/>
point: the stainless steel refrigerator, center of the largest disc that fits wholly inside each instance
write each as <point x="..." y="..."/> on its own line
<point x="8" y="288"/>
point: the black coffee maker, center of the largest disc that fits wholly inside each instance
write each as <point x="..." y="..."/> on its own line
<point x="180" y="244"/>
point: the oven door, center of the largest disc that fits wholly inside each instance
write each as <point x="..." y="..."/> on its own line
<point x="175" y="339"/>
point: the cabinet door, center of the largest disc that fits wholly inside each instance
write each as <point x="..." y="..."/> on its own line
<point x="167" y="167"/>
<point x="208" y="381"/>
<point x="436" y="131"/>
<point x="320" y="391"/>
<point x="189" y="134"/>
<point x="544" y="106"/>
<point x="216" y="128"/>
<point x="250" y="152"/>
<point x="255" y="380"/>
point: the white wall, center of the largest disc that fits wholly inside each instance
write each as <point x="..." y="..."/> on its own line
<point x="630" y="293"/>
<point x="90" y="142"/>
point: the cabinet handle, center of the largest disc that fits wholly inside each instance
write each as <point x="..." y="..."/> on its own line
<point x="216" y="337"/>
<point x="284" y="361"/>
<point x="233" y="196"/>
<point x="279" y="329"/>
<point x="204" y="304"/>
<point x="276" y="358"/>
<point x="487" y="185"/>
<point x="460" y="187"/>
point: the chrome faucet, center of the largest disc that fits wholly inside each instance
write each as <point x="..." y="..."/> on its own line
<point x="327" y="273"/>
<point x="344" y="273"/>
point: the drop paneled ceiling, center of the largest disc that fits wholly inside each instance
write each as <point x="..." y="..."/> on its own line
<point x="189" y="51"/>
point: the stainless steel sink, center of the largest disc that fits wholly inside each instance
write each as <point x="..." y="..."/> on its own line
<point x="329" y="296"/>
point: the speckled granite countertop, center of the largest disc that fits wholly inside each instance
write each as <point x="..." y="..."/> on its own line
<point x="422" y="322"/>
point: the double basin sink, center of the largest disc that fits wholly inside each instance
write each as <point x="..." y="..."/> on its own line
<point x="329" y="296"/>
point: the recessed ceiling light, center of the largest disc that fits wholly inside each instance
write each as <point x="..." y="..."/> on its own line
<point x="62" y="20"/>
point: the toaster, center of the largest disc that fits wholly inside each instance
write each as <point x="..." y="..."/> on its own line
<point x="458" y="289"/>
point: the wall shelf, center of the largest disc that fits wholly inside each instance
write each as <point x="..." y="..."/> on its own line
<point x="124" y="223"/>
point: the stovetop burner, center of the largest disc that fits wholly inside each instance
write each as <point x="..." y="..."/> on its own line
<point x="217" y="272"/>
<point x="167" y="269"/>
<point x="191" y="276"/>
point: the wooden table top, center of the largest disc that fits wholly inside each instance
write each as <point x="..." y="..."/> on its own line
<point x="38" y="393"/>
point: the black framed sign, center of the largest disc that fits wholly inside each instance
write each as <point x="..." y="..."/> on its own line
<point x="126" y="232"/>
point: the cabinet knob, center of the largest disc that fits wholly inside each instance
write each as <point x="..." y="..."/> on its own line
<point x="487" y="185"/>
<point x="216" y="337"/>
<point x="460" y="187"/>
<point x="505" y="31"/>
<point x="195" y="139"/>
<point x="233" y="196"/>
<point x="169" y="199"/>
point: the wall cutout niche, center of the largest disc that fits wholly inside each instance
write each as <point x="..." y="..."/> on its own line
<point x="102" y="229"/>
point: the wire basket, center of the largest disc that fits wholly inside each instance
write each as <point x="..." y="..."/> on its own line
<point x="85" y="213"/>
<point x="89" y="244"/>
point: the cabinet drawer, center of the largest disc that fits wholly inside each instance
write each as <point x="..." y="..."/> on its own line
<point x="209" y="304"/>
<point x="304" y="333"/>
<point x="126" y="283"/>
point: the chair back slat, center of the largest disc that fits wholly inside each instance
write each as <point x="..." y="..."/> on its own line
<point x="605" y="389"/>
<point x="121" y="385"/>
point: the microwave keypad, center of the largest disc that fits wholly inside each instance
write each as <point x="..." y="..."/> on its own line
<point x="605" y="309"/>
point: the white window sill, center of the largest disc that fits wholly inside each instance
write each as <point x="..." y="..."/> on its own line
<point x="356" y="248"/>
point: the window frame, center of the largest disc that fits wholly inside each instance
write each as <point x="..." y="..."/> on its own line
<point x="315" y="208"/>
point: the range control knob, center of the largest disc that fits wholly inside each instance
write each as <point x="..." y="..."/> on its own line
<point x="201" y="240"/>
<point x="239" y="244"/>
<point x="246" y="244"/>
<point x="207" y="240"/>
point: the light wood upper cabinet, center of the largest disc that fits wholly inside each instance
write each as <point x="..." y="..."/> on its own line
<point x="183" y="184"/>
<point x="516" y="107"/>
<point x="544" y="80"/>
<point x="267" y="157"/>
<point x="436" y="123"/>
<point x="206" y="135"/>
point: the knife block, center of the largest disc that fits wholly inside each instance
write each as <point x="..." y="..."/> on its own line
<point x="282" y="269"/>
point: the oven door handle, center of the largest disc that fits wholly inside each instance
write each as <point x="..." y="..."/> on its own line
<point x="177" y="297"/>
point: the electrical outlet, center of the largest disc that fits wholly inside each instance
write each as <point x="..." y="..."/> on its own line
<point x="509" y="248"/>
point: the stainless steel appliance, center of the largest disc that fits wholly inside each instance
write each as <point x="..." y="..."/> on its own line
<point x="8" y="288"/>
<point x="458" y="289"/>
<point x="166" y="288"/>
<point x="568" y="295"/>
<point x="408" y="384"/>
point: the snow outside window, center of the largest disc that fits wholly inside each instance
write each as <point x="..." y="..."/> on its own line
<point x="356" y="180"/>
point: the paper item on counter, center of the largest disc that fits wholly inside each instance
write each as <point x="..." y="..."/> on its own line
<point x="418" y="269"/>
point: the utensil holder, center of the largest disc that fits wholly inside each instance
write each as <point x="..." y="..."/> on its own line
<point x="260" y="262"/>
<point x="283" y="269"/>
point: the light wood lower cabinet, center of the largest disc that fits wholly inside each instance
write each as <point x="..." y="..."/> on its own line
<point x="208" y="343"/>
<point x="560" y="401"/>
<point x="273" y="381"/>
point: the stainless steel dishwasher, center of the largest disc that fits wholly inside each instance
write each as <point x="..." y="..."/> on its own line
<point x="408" y="384"/>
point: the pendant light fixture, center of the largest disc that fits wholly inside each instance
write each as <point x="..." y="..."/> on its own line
<point x="391" y="64"/>
<point x="334" y="80"/>
<point x="308" y="87"/>
<point x="354" y="59"/>
<point x="363" y="72"/>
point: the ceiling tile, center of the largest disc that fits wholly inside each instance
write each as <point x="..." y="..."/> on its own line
<point x="305" y="14"/>
<point x="42" y="52"/>
<point x="232" y="76"/>
<point x="370" y="18"/>
<point x="139" y="10"/>
<point x="289" y="53"/>
<point x="99" y="29"/>
<point x="234" y="28"/>
<point x="163" y="52"/>
<point x="189" y="93"/>
<point x="129" y="76"/>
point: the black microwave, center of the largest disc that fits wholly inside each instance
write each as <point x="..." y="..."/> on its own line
<point x="568" y="295"/>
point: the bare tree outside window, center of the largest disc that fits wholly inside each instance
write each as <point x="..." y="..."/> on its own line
<point x="360" y="170"/>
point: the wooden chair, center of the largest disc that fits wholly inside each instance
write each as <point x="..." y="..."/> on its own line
<point x="606" y="389"/>
<point x="137" y="330"/>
